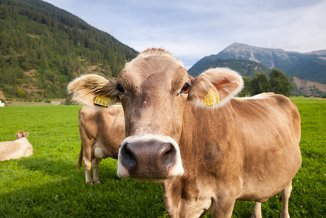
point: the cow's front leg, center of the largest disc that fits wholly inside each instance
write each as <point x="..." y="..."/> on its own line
<point x="257" y="211"/>
<point x="95" y="164"/>
<point x="88" y="167"/>
<point x="285" y="201"/>
<point x="87" y="156"/>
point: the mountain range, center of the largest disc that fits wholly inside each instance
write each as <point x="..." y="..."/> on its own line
<point x="309" y="68"/>
<point x="43" y="47"/>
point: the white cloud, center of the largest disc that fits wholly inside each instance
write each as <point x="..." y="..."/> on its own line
<point x="193" y="29"/>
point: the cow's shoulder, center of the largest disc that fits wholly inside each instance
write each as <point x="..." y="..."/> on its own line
<point x="87" y="111"/>
<point x="115" y="110"/>
<point x="93" y="113"/>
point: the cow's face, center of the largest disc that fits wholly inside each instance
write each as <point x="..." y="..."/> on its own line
<point x="154" y="90"/>
<point x="21" y="134"/>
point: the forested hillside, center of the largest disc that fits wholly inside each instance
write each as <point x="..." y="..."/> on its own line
<point x="43" y="47"/>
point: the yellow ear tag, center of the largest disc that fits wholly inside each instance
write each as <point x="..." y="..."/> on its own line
<point x="102" y="101"/>
<point x="211" y="98"/>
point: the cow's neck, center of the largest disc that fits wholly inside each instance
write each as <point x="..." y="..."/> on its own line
<point x="201" y="127"/>
<point x="202" y="144"/>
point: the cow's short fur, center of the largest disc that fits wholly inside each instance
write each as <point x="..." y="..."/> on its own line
<point x="208" y="152"/>
<point x="17" y="149"/>
<point x="101" y="132"/>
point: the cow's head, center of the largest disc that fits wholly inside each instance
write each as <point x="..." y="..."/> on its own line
<point x="154" y="89"/>
<point x="21" y="134"/>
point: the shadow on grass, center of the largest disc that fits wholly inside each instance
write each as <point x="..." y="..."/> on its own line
<point x="57" y="166"/>
<point x="65" y="194"/>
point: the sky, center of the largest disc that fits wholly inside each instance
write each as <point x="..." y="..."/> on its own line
<point x="192" y="29"/>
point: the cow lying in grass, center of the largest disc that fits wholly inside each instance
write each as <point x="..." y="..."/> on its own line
<point x="17" y="149"/>
<point x="101" y="132"/>
<point x="208" y="147"/>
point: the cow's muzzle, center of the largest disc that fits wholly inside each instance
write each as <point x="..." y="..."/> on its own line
<point x="149" y="157"/>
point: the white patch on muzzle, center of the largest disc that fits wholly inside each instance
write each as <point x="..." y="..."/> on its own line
<point x="176" y="170"/>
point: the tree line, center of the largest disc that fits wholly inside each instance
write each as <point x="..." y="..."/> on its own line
<point x="276" y="82"/>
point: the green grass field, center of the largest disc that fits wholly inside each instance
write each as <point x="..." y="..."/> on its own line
<point x="47" y="184"/>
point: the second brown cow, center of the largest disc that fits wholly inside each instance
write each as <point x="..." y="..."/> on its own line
<point x="101" y="132"/>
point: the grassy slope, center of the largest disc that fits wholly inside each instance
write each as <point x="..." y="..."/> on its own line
<point x="48" y="185"/>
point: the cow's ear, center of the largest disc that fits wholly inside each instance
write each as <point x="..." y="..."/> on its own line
<point x="92" y="89"/>
<point x="215" y="87"/>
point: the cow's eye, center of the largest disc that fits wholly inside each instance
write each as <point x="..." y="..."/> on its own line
<point x="185" y="89"/>
<point x="120" y="88"/>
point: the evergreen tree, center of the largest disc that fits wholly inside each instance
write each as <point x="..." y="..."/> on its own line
<point x="259" y="84"/>
<point x="279" y="83"/>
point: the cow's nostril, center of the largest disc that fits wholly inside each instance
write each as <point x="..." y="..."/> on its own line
<point x="128" y="157"/>
<point x="167" y="155"/>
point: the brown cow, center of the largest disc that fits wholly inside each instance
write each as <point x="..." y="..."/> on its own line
<point x="17" y="149"/>
<point x="101" y="132"/>
<point x="209" y="147"/>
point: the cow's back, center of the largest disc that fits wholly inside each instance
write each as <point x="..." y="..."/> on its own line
<point x="268" y="136"/>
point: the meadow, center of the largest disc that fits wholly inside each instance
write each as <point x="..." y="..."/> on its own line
<point x="48" y="184"/>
